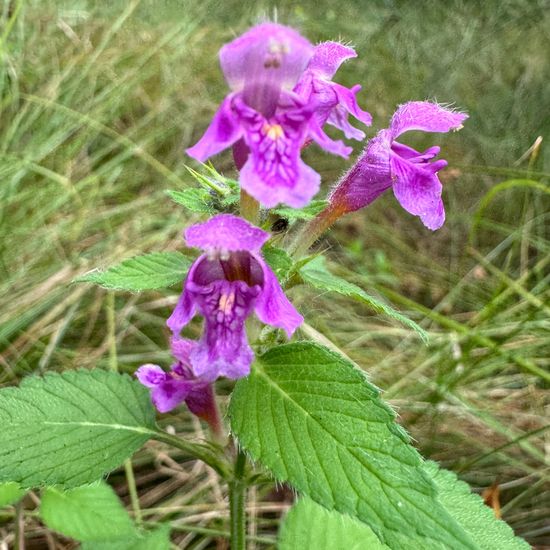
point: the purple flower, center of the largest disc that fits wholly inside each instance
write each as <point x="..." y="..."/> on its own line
<point x="224" y="285"/>
<point x="169" y="389"/>
<point x="281" y="97"/>
<point x="333" y="101"/>
<point x="387" y="163"/>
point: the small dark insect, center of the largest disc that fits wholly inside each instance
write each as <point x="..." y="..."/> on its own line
<point x="280" y="225"/>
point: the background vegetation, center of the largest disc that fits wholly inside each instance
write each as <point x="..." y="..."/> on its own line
<point x="97" y="103"/>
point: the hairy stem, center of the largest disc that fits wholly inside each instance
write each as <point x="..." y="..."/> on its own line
<point x="214" y="419"/>
<point x="209" y="454"/>
<point x="237" y="498"/>
<point x="314" y="229"/>
<point x="250" y="208"/>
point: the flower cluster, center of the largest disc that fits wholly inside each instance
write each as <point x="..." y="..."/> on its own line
<point x="282" y="96"/>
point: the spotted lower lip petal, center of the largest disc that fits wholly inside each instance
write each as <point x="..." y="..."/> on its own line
<point x="224" y="286"/>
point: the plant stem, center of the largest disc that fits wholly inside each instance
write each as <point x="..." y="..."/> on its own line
<point x="132" y="489"/>
<point x="213" y="418"/>
<point x="237" y="497"/>
<point x="314" y="229"/>
<point x="207" y="453"/>
<point x="250" y="208"/>
<point x="19" y="541"/>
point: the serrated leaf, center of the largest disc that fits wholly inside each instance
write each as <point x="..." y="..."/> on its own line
<point x="278" y="259"/>
<point x="72" y="428"/>
<point x="146" y="272"/>
<point x="314" y="420"/>
<point x="309" y="525"/>
<point x="159" y="539"/>
<point x="307" y="213"/>
<point x="88" y="513"/>
<point x="195" y="200"/>
<point x="10" y="492"/>
<point x="316" y="274"/>
<point x="472" y="514"/>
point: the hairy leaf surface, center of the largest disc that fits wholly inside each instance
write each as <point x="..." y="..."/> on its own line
<point x="196" y="200"/>
<point x="71" y="428"/>
<point x="146" y="272"/>
<point x="87" y="513"/>
<point x="314" y="420"/>
<point x="306" y="213"/>
<point x="278" y="259"/>
<point x="309" y="525"/>
<point x="472" y="514"/>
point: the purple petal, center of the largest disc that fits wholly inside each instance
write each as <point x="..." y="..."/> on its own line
<point x="224" y="130"/>
<point x="328" y="144"/>
<point x="418" y="190"/>
<point x="328" y="56"/>
<point x="170" y="394"/>
<point x="413" y="155"/>
<point x="223" y="349"/>
<point x="367" y="179"/>
<point x="229" y="356"/>
<point x="225" y="232"/>
<point x="151" y="375"/>
<point x="181" y="348"/>
<point x="263" y="61"/>
<point x="296" y="191"/>
<point x="347" y="103"/>
<point x="185" y="308"/>
<point x="201" y="402"/>
<point x="273" y="307"/>
<point x="425" y="116"/>
<point x="274" y="172"/>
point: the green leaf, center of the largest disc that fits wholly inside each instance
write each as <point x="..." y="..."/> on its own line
<point x="88" y="513"/>
<point x="195" y="199"/>
<point x="72" y="428"/>
<point x="10" y="492"/>
<point x="472" y="514"/>
<point x="308" y="525"/>
<point x="278" y="259"/>
<point x="307" y="213"/>
<point x="314" y="420"/>
<point x="316" y="274"/>
<point x="159" y="539"/>
<point x="147" y="272"/>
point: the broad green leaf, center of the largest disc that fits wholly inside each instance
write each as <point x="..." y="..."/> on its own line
<point x="309" y="525"/>
<point x="316" y="274"/>
<point x="88" y="513"/>
<point x="307" y="213"/>
<point x="278" y="259"/>
<point x="147" y="272"/>
<point x="72" y="428"/>
<point x="472" y="514"/>
<point x="314" y="420"/>
<point x="195" y="199"/>
<point x="10" y="492"/>
<point x="158" y="539"/>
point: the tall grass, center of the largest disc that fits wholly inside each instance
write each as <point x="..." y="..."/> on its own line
<point x="98" y="101"/>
